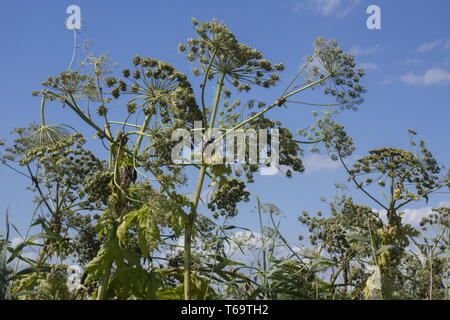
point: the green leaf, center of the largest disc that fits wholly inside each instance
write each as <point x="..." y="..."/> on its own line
<point x="171" y="293"/>
<point x="97" y="267"/>
<point x="123" y="227"/>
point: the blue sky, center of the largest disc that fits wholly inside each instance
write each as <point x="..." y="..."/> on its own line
<point x="407" y="64"/>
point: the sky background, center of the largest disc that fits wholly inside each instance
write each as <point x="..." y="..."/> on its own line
<point x="407" y="64"/>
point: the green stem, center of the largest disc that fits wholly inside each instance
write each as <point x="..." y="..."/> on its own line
<point x="300" y="72"/>
<point x="307" y="86"/>
<point x="141" y="135"/>
<point x="123" y="123"/>
<point x="263" y="249"/>
<point x="191" y="218"/>
<point x="74" y="48"/>
<point x="203" y="87"/>
<point x="42" y="111"/>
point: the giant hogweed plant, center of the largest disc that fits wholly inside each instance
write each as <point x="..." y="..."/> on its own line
<point x="137" y="188"/>
<point x="401" y="177"/>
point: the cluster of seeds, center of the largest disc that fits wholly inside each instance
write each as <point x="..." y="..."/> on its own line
<point x="343" y="82"/>
<point x="72" y="84"/>
<point x="403" y="166"/>
<point x="242" y="65"/>
<point x="157" y="88"/>
<point x="225" y="199"/>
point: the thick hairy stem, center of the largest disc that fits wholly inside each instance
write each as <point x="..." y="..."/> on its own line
<point x="187" y="259"/>
<point x="191" y="218"/>
<point x="104" y="284"/>
<point x="117" y="209"/>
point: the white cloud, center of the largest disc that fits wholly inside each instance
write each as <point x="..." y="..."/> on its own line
<point x="411" y="216"/>
<point x="16" y="241"/>
<point x="431" y="76"/>
<point x="338" y="8"/>
<point x="435" y="76"/>
<point x="386" y="81"/>
<point x="314" y="162"/>
<point x="247" y="240"/>
<point x="356" y="50"/>
<point x="444" y="204"/>
<point x="428" y="46"/>
<point x="382" y="213"/>
<point x="369" y="66"/>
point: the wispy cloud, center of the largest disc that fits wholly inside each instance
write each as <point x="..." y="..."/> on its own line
<point x="428" y="46"/>
<point x="315" y="162"/>
<point x="338" y="8"/>
<point x="28" y="255"/>
<point x="431" y="77"/>
<point x="411" y="62"/>
<point x="411" y="78"/>
<point x="369" y="66"/>
<point x="326" y="7"/>
<point x="447" y="45"/>
<point x="356" y="50"/>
